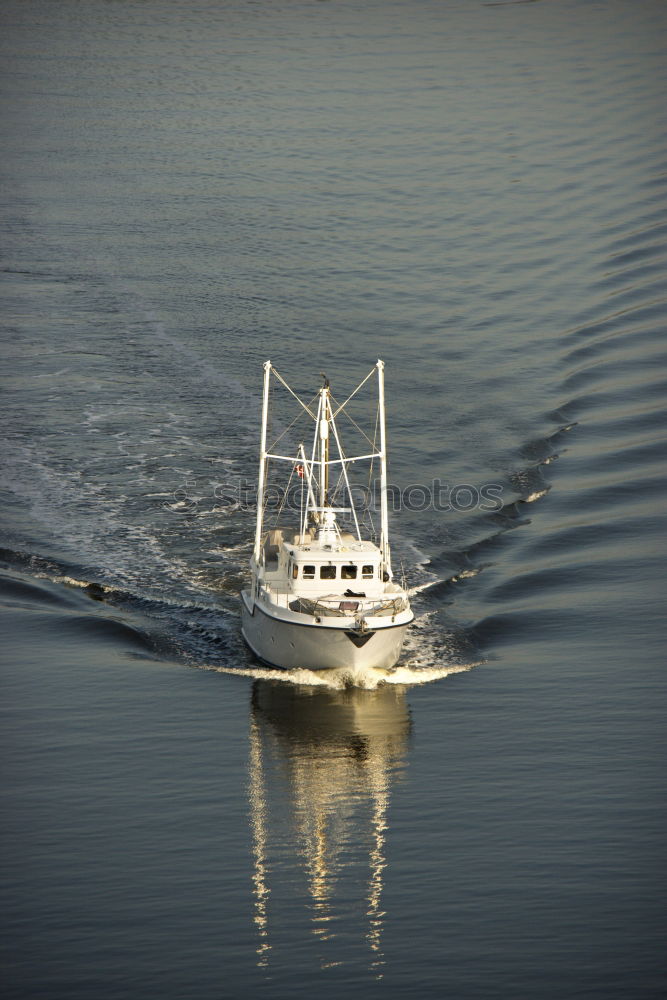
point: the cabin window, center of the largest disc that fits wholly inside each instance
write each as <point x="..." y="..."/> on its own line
<point x="367" y="572"/>
<point x="327" y="572"/>
<point x="309" y="572"/>
<point x="295" y="571"/>
<point x="349" y="572"/>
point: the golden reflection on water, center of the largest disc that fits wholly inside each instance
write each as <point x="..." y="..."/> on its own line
<point x="321" y="767"/>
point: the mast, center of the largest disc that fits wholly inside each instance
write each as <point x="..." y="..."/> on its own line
<point x="262" y="463"/>
<point x="324" y="441"/>
<point x="384" y="513"/>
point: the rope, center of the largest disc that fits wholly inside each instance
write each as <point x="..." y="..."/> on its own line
<point x="352" y="421"/>
<point x="290" y="390"/>
<point x="299" y="416"/>
<point x="343" y="405"/>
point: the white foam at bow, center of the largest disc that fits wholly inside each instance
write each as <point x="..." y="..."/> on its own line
<point x="345" y="677"/>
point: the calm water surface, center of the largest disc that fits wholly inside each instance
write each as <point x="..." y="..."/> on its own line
<point x="475" y="192"/>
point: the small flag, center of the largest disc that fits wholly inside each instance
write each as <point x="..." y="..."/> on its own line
<point x="299" y="471"/>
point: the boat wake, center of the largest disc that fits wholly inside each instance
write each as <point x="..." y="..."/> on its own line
<point x="366" y="678"/>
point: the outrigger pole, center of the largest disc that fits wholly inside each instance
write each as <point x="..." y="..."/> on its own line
<point x="384" y="512"/>
<point x="262" y="463"/>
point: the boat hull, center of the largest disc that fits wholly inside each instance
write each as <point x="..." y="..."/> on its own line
<point x="291" y="644"/>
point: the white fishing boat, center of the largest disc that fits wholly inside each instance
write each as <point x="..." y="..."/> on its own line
<point x="322" y="596"/>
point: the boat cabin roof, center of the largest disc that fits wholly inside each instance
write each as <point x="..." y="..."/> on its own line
<point x="343" y="552"/>
<point x="308" y="548"/>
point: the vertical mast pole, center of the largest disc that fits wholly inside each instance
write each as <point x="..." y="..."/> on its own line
<point x="314" y="452"/>
<point x="262" y="463"/>
<point x="384" y="513"/>
<point x="324" y="444"/>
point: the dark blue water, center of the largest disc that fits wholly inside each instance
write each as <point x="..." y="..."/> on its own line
<point x="474" y="192"/>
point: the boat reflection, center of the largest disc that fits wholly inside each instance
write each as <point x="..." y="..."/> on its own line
<point x="321" y="765"/>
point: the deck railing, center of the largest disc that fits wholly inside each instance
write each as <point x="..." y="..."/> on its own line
<point x="347" y="608"/>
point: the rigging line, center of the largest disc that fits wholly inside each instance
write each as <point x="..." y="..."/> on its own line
<point x="343" y="405"/>
<point x="339" y="482"/>
<point x="265" y="503"/>
<point x="289" y="389"/>
<point x="345" y="476"/>
<point x="352" y="420"/>
<point x="285" y="495"/>
<point x="341" y="478"/>
<point x="311" y="502"/>
<point x="312" y="457"/>
<point x="342" y="475"/>
<point x="297" y="417"/>
<point x="361" y="431"/>
<point x="375" y="435"/>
